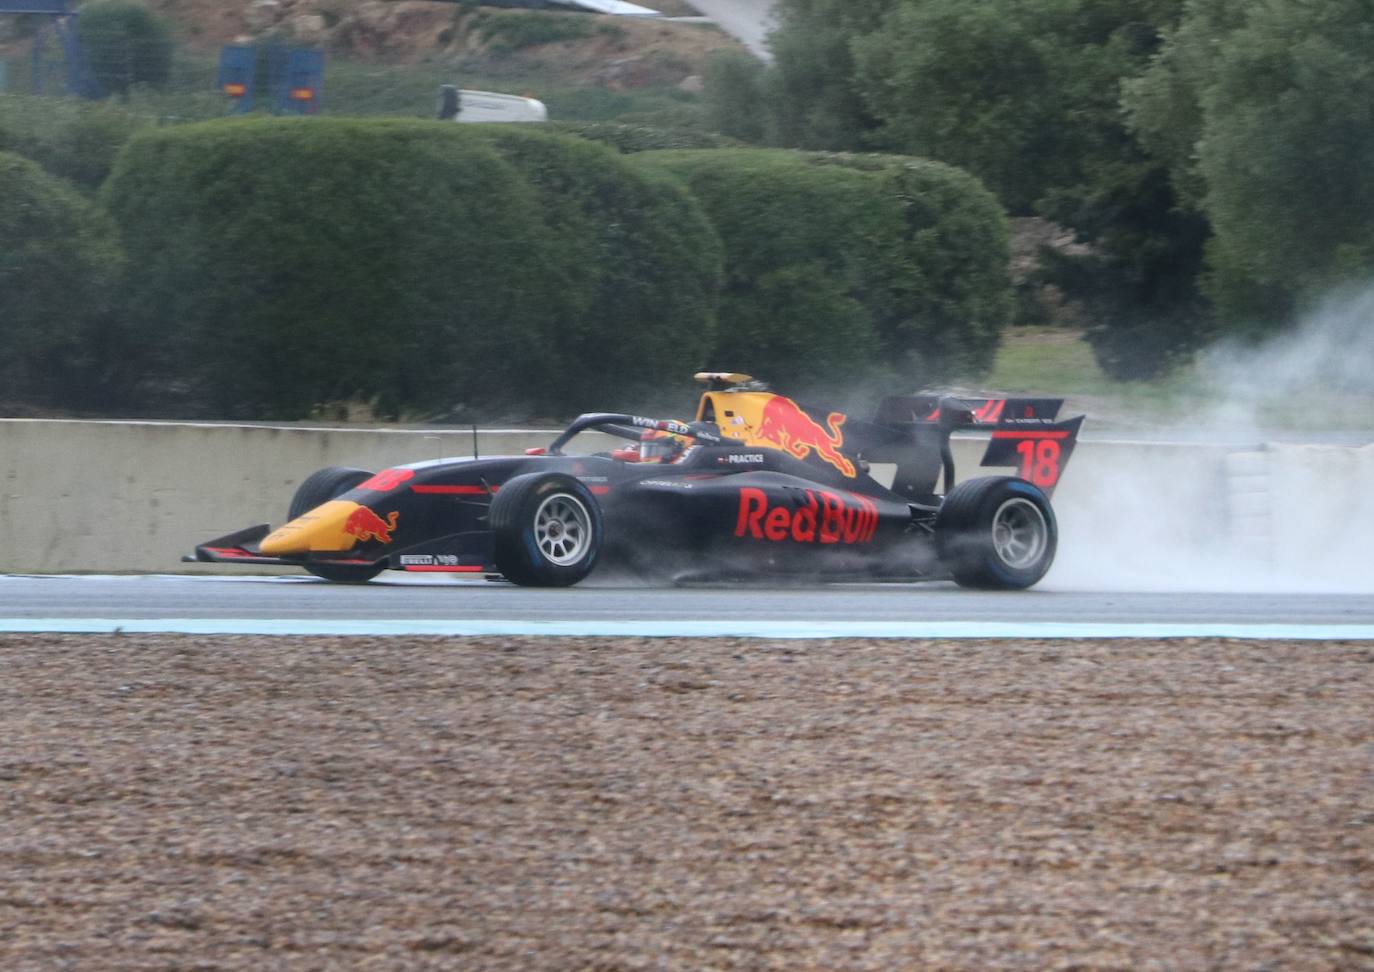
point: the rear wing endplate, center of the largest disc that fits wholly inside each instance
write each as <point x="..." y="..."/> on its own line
<point x="1026" y="432"/>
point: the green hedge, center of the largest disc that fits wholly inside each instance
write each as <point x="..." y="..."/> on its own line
<point x="798" y="244"/>
<point x="287" y="263"/>
<point x="77" y="140"/>
<point x="640" y="290"/>
<point x="629" y="139"/>
<point x="948" y="293"/>
<point x="841" y="268"/>
<point x="59" y="261"/>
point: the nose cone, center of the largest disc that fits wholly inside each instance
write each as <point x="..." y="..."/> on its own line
<point x="322" y="529"/>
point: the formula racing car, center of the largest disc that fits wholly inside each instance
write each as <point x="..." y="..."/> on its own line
<point x="755" y="485"/>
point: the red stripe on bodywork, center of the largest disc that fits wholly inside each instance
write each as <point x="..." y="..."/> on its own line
<point x="433" y="569"/>
<point x="601" y="490"/>
<point x="454" y="490"/>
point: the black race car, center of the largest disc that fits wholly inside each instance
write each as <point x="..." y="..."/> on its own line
<point x="755" y="485"/>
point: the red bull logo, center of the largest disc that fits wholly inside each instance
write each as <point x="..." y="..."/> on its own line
<point x="366" y="525"/>
<point x="825" y="518"/>
<point x="789" y="428"/>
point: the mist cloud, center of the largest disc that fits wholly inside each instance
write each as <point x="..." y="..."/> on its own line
<point x="1240" y="508"/>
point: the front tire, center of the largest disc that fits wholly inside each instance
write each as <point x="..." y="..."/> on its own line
<point x="319" y="488"/>
<point x="996" y="533"/>
<point x="546" y="530"/>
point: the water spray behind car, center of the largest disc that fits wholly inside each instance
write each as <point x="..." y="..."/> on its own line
<point x="1245" y="508"/>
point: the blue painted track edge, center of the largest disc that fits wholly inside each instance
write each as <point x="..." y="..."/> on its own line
<point x="687" y="629"/>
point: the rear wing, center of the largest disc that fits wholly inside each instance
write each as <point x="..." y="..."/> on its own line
<point x="1026" y="434"/>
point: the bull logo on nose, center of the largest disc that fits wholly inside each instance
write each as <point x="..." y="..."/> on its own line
<point x="366" y="525"/>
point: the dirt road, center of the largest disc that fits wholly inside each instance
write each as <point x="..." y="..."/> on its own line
<point x="233" y="803"/>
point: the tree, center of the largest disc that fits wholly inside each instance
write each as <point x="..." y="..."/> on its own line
<point x="812" y="84"/>
<point x="1265" y="115"/>
<point x="1287" y="149"/>
<point x="125" y="44"/>
<point x="1024" y="96"/>
<point x="735" y="103"/>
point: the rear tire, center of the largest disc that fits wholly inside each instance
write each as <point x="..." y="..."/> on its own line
<point x="546" y="530"/>
<point x="996" y="533"/>
<point x="321" y="487"/>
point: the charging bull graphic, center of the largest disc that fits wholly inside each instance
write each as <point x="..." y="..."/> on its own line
<point x="788" y="427"/>
<point x="366" y="525"/>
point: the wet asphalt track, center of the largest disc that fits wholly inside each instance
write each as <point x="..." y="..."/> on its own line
<point x="441" y="606"/>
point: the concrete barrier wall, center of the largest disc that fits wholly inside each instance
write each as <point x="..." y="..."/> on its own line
<point x="135" y="496"/>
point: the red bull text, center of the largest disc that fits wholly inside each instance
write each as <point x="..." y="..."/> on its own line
<point x="824" y="518"/>
<point x="785" y="425"/>
<point x="366" y="525"/>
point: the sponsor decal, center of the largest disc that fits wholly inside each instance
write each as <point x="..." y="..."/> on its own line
<point x="825" y="518"/>
<point x="785" y="425"/>
<point x="990" y="411"/>
<point x="387" y="480"/>
<point x="429" y="560"/>
<point x="367" y="525"/>
<point x="661" y="425"/>
<point x="743" y="458"/>
<point x="676" y="483"/>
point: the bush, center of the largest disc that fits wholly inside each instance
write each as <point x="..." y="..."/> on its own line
<point x="664" y="107"/>
<point x="58" y="262"/>
<point x="77" y="140"/>
<point x="641" y="287"/>
<point x="735" y="102"/>
<point x="629" y="139"/>
<point x="285" y="263"/>
<point x="944" y="292"/>
<point x="836" y="274"/>
<point x="125" y="44"/>
<point x="798" y="244"/>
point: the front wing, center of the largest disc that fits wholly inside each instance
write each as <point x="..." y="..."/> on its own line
<point x="241" y="547"/>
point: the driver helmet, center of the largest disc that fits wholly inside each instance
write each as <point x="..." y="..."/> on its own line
<point x="655" y="446"/>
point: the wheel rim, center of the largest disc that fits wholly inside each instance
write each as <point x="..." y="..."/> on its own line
<point x="1019" y="533"/>
<point x="562" y="529"/>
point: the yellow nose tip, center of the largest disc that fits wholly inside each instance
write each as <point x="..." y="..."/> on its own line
<point x="321" y="529"/>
